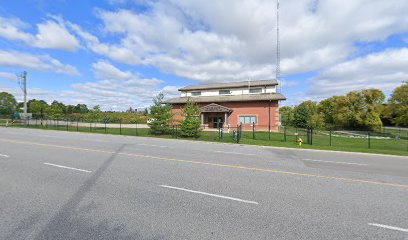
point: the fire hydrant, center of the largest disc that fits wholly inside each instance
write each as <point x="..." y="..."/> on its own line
<point x="299" y="141"/>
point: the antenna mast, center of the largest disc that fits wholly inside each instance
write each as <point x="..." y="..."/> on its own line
<point x="278" y="49"/>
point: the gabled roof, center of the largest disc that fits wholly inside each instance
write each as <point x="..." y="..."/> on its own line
<point x="258" y="83"/>
<point x="229" y="98"/>
<point x="212" y="107"/>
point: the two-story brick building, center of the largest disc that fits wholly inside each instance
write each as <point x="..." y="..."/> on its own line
<point x="231" y="104"/>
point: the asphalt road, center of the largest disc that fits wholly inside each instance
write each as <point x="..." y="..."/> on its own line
<point x="60" y="185"/>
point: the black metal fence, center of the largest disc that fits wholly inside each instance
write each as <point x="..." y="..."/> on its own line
<point x="391" y="140"/>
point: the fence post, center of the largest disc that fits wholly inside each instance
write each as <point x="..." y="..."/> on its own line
<point x="136" y="129"/>
<point x="253" y="130"/>
<point x="240" y="132"/>
<point x="237" y="134"/>
<point x="369" y="140"/>
<point x="407" y="141"/>
<point x="219" y="134"/>
<point x="330" y="140"/>
<point x="284" y="133"/>
<point x="120" y="126"/>
<point x="311" y="136"/>
<point x="308" y="135"/>
<point x="296" y="135"/>
<point x="67" y="124"/>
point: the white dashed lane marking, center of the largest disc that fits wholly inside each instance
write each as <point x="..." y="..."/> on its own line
<point x="388" y="227"/>
<point x="346" y="163"/>
<point x="71" y="168"/>
<point x="209" y="194"/>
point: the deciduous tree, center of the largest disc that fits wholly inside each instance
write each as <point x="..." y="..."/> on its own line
<point x="37" y="107"/>
<point x="286" y="115"/>
<point x="8" y="103"/>
<point x="303" y="113"/>
<point x="398" y="105"/>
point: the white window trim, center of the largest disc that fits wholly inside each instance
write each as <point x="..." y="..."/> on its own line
<point x="249" y="91"/>
<point x="250" y="116"/>
<point x="229" y="92"/>
<point x="193" y="95"/>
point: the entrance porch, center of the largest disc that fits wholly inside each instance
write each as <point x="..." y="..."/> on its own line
<point x="214" y="116"/>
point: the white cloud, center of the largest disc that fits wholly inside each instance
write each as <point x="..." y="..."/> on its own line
<point x="36" y="62"/>
<point x="10" y="29"/>
<point x="32" y="93"/>
<point x="384" y="70"/>
<point x="229" y="40"/>
<point x="105" y="70"/>
<point x="202" y="41"/>
<point x="117" y="89"/>
<point x="8" y="76"/>
<point x="113" y="51"/>
<point x="52" y="34"/>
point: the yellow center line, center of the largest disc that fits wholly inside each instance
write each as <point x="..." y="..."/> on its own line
<point x="214" y="164"/>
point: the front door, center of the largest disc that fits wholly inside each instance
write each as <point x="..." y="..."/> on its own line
<point x="218" y="122"/>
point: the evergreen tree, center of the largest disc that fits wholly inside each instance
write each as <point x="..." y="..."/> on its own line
<point x="161" y="114"/>
<point x="190" y="125"/>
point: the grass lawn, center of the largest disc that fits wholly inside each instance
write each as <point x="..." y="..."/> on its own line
<point x="321" y="139"/>
<point x="3" y="122"/>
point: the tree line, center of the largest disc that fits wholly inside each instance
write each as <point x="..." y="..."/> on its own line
<point x="160" y="112"/>
<point x="357" y="110"/>
<point x="40" y="109"/>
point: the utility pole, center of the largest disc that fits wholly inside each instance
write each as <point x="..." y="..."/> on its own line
<point x="23" y="85"/>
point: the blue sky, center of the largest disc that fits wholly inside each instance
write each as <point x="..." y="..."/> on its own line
<point x="121" y="53"/>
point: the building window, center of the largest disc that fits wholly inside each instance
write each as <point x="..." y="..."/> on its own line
<point x="195" y="93"/>
<point x="224" y="92"/>
<point x="255" y="90"/>
<point x="247" y="119"/>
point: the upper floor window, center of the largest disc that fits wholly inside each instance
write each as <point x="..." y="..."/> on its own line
<point x="255" y="90"/>
<point x="195" y="93"/>
<point x="224" y="92"/>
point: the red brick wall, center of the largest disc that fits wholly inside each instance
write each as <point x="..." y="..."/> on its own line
<point x="259" y="109"/>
